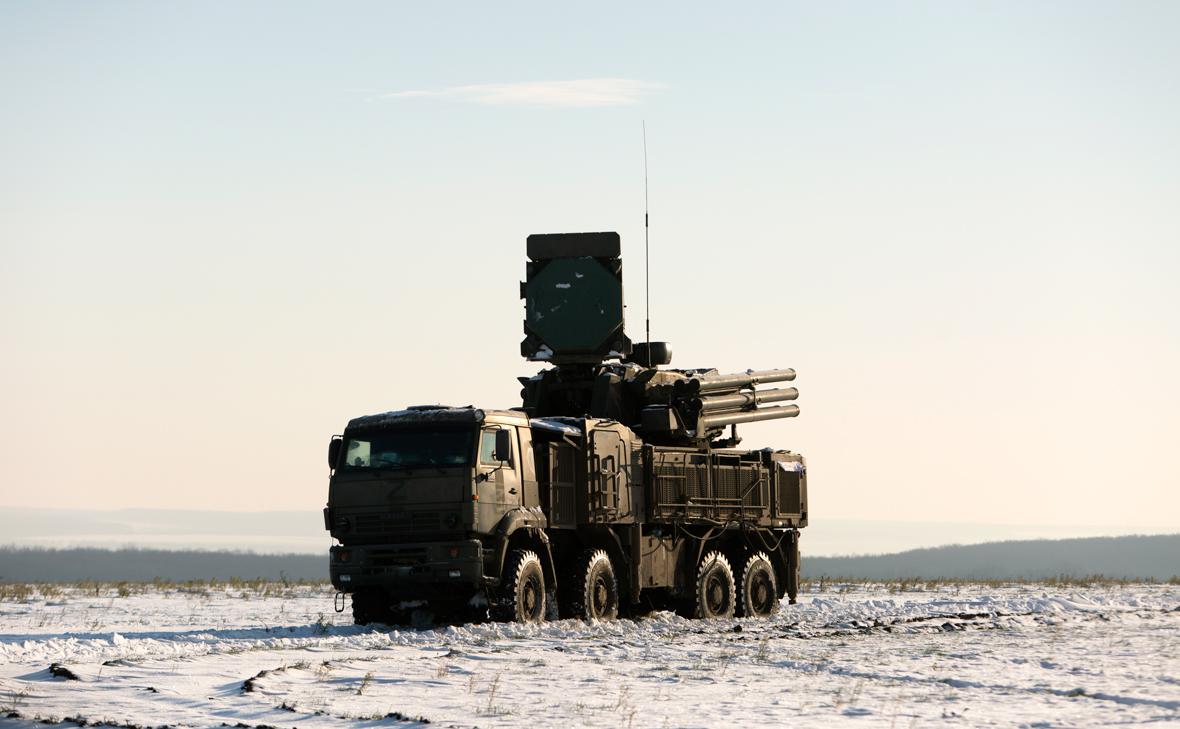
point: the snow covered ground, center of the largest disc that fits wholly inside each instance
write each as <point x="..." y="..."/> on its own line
<point x="860" y="656"/>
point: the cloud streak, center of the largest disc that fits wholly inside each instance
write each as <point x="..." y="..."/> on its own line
<point x="577" y="93"/>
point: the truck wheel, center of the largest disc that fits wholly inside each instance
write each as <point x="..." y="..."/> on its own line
<point x="521" y="595"/>
<point x="715" y="589"/>
<point x="757" y="589"/>
<point x="368" y="606"/>
<point x="596" y="591"/>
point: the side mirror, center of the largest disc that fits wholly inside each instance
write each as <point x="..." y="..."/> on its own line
<point x="503" y="446"/>
<point x="334" y="451"/>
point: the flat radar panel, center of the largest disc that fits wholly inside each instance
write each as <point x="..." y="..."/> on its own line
<point x="574" y="302"/>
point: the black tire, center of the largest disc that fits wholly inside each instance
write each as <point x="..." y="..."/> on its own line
<point x="757" y="588"/>
<point x="368" y="606"/>
<point x="714" y="594"/>
<point x="594" y="588"/>
<point x="521" y="595"/>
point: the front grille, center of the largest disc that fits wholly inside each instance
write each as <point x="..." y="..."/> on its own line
<point x="396" y="521"/>
<point x="396" y="557"/>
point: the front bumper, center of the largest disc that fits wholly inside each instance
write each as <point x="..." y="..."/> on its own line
<point x="419" y="569"/>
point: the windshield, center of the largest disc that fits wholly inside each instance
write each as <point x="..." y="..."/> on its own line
<point x="410" y="448"/>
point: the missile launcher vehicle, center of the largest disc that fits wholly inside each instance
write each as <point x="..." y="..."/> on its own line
<point x="612" y="489"/>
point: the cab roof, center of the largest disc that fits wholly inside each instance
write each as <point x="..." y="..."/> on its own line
<point x="418" y="414"/>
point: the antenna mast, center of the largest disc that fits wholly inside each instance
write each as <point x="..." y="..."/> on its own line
<point x="646" y="252"/>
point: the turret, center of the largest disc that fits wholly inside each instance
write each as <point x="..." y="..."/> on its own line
<point x="574" y="319"/>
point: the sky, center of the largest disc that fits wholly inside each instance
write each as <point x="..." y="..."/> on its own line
<point x="227" y="228"/>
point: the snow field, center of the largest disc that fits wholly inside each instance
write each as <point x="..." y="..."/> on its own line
<point x="864" y="656"/>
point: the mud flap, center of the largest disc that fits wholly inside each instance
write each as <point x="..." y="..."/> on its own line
<point x="793" y="569"/>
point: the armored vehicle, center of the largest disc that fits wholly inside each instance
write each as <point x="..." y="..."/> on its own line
<point x="612" y="489"/>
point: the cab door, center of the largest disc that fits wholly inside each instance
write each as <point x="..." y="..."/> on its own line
<point x="498" y="473"/>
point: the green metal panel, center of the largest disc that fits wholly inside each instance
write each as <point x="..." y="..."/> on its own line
<point x="574" y="305"/>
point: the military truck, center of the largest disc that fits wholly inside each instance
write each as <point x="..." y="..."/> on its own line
<point x="612" y="489"/>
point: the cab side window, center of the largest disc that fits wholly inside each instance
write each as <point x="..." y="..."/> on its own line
<point x="487" y="450"/>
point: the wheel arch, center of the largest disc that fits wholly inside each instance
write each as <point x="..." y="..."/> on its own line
<point x="525" y="529"/>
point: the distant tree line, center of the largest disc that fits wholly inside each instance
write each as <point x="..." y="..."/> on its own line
<point x="1135" y="557"/>
<point x="37" y="564"/>
<point x="1150" y="557"/>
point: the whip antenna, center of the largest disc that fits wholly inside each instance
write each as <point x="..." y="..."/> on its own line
<point x="646" y="253"/>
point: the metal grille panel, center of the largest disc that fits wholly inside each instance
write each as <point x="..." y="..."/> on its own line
<point x="396" y="521"/>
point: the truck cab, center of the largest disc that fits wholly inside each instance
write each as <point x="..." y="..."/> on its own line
<point x="415" y="500"/>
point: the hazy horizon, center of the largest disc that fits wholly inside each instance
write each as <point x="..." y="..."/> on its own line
<point x="301" y="532"/>
<point x="227" y="229"/>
